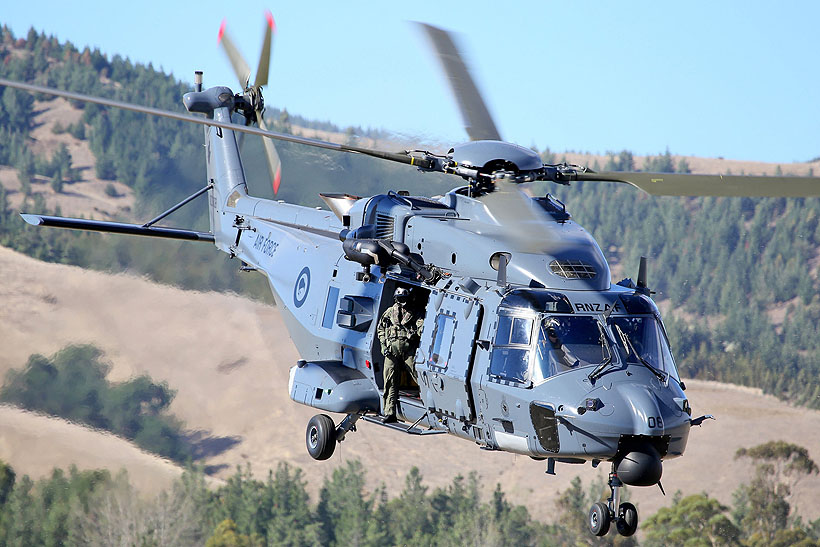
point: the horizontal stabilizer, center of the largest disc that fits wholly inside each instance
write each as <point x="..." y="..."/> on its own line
<point x="117" y="228"/>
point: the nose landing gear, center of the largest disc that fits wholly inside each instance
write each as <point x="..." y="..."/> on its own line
<point x="624" y="514"/>
<point x="627" y="521"/>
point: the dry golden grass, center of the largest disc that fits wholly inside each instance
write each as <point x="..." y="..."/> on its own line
<point x="35" y="444"/>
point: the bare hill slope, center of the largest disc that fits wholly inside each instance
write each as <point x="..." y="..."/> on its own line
<point x="36" y="444"/>
<point x="228" y="358"/>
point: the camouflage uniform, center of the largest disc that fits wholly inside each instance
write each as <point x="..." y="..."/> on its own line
<point x="399" y="331"/>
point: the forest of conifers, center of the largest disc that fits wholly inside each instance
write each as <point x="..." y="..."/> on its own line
<point x="94" y="508"/>
<point x="724" y="265"/>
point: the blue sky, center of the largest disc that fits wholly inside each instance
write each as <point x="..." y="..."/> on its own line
<point x="732" y="79"/>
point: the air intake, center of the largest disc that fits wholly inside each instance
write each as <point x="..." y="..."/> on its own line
<point x="572" y="269"/>
<point x="384" y="226"/>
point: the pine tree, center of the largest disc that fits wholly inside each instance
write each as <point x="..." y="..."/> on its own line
<point x="25" y="171"/>
<point x="343" y="511"/>
<point x="57" y="182"/>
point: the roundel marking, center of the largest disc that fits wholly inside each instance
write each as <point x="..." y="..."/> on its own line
<point x="301" y="288"/>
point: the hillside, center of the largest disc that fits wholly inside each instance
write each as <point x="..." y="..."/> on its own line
<point x="36" y="444"/>
<point x="228" y="358"/>
<point x="86" y="196"/>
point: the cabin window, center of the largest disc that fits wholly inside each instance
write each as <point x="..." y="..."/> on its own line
<point x="442" y="340"/>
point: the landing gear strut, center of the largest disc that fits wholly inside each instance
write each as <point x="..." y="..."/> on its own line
<point x="624" y="514"/>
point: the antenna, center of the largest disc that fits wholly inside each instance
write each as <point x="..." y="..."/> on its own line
<point x="641" y="285"/>
<point x="501" y="281"/>
<point x="642" y="273"/>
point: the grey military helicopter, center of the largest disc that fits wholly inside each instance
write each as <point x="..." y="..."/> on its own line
<point x="527" y="346"/>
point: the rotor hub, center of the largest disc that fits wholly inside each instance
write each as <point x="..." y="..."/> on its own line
<point x="490" y="156"/>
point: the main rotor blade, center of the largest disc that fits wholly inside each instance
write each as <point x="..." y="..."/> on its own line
<point x="406" y="159"/>
<point x="240" y="67"/>
<point x="477" y="119"/>
<point x="675" y="184"/>
<point x="264" y="57"/>
<point x="520" y="217"/>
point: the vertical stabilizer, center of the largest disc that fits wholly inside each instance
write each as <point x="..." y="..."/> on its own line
<point x="224" y="165"/>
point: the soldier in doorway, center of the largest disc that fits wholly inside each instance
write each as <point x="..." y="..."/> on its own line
<point x="399" y="332"/>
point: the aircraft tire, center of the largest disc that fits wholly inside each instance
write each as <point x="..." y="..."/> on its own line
<point x="320" y="437"/>
<point x="599" y="519"/>
<point x="627" y="521"/>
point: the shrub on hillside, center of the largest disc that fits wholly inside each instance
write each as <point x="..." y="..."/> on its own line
<point x="72" y="384"/>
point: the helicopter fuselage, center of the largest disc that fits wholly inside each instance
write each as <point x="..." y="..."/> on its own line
<point x="487" y="368"/>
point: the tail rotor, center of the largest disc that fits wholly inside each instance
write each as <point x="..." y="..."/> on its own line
<point x="253" y="93"/>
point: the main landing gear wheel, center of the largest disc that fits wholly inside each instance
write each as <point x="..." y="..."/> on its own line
<point x="627" y="521"/>
<point x="599" y="519"/>
<point x="320" y="437"/>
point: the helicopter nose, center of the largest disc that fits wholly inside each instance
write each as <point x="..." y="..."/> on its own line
<point x="638" y="462"/>
<point x="640" y="466"/>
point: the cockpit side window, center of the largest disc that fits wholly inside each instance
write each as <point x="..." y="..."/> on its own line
<point x="502" y="335"/>
<point x="510" y="359"/>
<point x="521" y="328"/>
<point x="511" y="364"/>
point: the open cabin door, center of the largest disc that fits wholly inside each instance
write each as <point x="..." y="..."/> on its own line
<point x="444" y="359"/>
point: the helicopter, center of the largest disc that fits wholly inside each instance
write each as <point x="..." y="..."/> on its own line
<point x="527" y="346"/>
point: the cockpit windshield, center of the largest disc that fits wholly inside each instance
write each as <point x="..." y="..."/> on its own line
<point x="568" y="342"/>
<point x="539" y="334"/>
<point x="645" y="334"/>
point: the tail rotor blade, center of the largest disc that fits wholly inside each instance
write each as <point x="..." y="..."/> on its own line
<point x="264" y="57"/>
<point x="243" y="72"/>
<point x="240" y="67"/>
<point x="477" y="119"/>
<point x="272" y="157"/>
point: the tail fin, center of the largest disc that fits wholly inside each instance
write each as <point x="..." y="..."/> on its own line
<point x="229" y="195"/>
